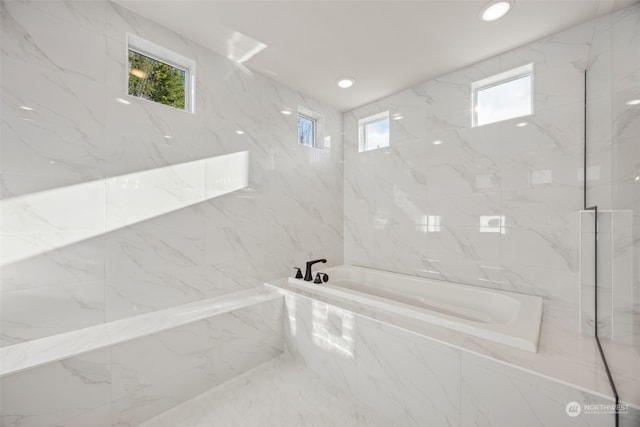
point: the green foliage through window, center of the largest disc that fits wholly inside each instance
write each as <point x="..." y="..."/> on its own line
<point x="156" y="81"/>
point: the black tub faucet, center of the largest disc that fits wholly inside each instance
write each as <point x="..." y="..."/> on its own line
<point x="308" y="276"/>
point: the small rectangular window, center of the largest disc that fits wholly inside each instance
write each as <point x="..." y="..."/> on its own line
<point x="159" y="75"/>
<point x="373" y="132"/>
<point x="503" y="96"/>
<point x="306" y="130"/>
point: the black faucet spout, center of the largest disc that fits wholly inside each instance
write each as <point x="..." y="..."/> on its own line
<point x="308" y="276"/>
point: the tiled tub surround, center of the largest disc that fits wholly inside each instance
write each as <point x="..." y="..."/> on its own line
<point x="419" y="374"/>
<point x="425" y="204"/>
<point x="504" y="317"/>
<point x="127" y="371"/>
<point x="613" y="163"/>
<point x="615" y="275"/>
<point x="114" y="208"/>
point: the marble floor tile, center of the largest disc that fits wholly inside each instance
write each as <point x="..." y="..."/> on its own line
<point x="279" y="393"/>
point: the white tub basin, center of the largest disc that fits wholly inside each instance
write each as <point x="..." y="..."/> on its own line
<point x="504" y="317"/>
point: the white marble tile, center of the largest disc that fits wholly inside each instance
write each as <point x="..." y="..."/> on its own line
<point x="75" y="208"/>
<point x="406" y="378"/>
<point x="34" y="397"/>
<point x="542" y="208"/>
<point x="191" y="359"/>
<point x="53" y="285"/>
<point x="34" y="353"/>
<point x="546" y="169"/>
<point x="630" y="418"/>
<point x="250" y="337"/>
<point x="322" y="337"/>
<point x="62" y="137"/>
<point x="44" y="41"/>
<point x="622" y="271"/>
<point x="140" y="280"/>
<point x="626" y="118"/>
<point x="549" y="133"/>
<point x="121" y="21"/>
<point x="553" y="247"/>
<point x="174" y="352"/>
<point x="470" y="272"/>
<point x="566" y="47"/>
<point x="59" y="264"/>
<point x="135" y="408"/>
<point x="140" y="196"/>
<point x="98" y="417"/>
<point x="279" y="393"/>
<point x="558" y="85"/>
<point x="32" y="313"/>
<point x="89" y="15"/>
<point x="624" y="26"/>
<point x="523" y="400"/>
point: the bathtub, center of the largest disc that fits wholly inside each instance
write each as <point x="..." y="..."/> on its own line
<point x="504" y="317"/>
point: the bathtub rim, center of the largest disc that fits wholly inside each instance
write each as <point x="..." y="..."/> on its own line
<point x="523" y="333"/>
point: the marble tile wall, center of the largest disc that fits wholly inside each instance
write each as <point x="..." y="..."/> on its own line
<point x="111" y="210"/>
<point x="428" y="209"/>
<point x="615" y="275"/>
<point x="127" y="383"/>
<point x="417" y="382"/>
<point x="614" y="152"/>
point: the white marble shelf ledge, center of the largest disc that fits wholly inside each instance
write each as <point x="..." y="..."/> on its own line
<point x="19" y="357"/>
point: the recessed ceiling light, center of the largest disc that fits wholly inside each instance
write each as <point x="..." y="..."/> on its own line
<point x="286" y="112"/>
<point x="522" y="124"/>
<point x="637" y="178"/>
<point x="240" y="132"/>
<point x="24" y="107"/>
<point x="345" y="82"/>
<point x="123" y="101"/>
<point x="437" y="142"/>
<point x="397" y="116"/>
<point x="166" y="136"/>
<point x="633" y="102"/>
<point x="495" y="10"/>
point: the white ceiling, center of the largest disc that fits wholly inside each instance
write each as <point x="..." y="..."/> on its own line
<point x="387" y="46"/>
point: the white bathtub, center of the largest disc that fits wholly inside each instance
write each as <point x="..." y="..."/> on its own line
<point x="504" y="317"/>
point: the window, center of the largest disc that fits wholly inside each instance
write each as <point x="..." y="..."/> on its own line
<point x="503" y="96"/>
<point x="311" y="131"/>
<point x="159" y="75"/>
<point x="306" y="130"/>
<point x="373" y="132"/>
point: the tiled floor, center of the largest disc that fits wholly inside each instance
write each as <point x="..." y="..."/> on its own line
<point x="280" y="393"/>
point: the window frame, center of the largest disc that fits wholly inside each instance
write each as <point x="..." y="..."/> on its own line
<point x="314" y="122"/>
<point x="362" y="130"/>
<point x="162" y="54"/>
<point x="497" y="80"/>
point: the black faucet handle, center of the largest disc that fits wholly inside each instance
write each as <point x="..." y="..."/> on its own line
<point x="318" y="279"/>
<point x="298" y="273"/>
<point x="308" y="276"/>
